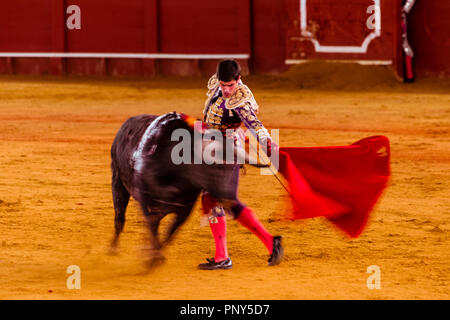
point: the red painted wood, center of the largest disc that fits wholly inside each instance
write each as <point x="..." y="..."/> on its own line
<point x="151" y="35"/>
<point x="6" y="66"/>
<point x="204" y="26"/>
<point x="269" y="26"/>
<point x="179" y="67"/>
<point x="31" y="66"/>
<point x="428" y="32"/>
<point x="86" y="66"/>
<point x="25" y="25"/>
<point x="268" y="30"/>
<point x="108" y="26"/>
<point x="58" y="36"/>
<point x="334" y="24"/>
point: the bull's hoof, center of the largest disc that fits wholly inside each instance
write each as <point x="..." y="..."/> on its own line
<point x="154" y="260"/>
<point x="114" y="247"/>
<point x="277" y="251"/>
<point x="113" y="251"/>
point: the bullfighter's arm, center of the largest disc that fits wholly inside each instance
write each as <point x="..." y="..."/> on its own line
<point x="244" y="105"/>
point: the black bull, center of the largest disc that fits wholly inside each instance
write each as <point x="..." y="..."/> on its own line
<point x="142" y="167"/>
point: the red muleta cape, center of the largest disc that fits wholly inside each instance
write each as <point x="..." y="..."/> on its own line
<point x="340" y="183"/>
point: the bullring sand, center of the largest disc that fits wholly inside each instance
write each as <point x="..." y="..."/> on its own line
<point x="56" y="206"/>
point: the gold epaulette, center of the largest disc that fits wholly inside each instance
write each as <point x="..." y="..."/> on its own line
<point x="241" y="96"/>
<point x="213" y="82"/>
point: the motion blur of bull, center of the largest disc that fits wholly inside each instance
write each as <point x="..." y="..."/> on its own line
<point x="142" y="167"/>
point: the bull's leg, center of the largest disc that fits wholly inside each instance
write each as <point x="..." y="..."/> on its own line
<point x="121" y="196"/>
<point x="181" y="216"/>
<point x="154" y="255"/>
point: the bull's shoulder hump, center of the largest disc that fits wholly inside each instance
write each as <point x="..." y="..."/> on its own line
<point x="134" y="127"/>
<point x="139" y="121"/>
<point x="142" y="118"/>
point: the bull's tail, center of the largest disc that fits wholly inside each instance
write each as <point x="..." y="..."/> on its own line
<point x="121" y="196"/>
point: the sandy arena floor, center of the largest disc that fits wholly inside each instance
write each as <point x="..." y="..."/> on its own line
<point x="56" y="206"/>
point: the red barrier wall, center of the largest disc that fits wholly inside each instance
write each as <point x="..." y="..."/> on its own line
<point x="264" y="29"/>
<point x="113" y="26"/>
<point x="429" y="28"/>
<point x="202" y="26"/>
<point x="330" y="22"/>
<point x="334" y="31"/>
<point x="117" y="26"/>
<point x="269" y="27"/>
<point x="26" y="26"/>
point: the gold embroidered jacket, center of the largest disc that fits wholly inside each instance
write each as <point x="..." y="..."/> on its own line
<point x="229" y="113"/>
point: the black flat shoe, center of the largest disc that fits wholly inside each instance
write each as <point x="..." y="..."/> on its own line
<point x="277" y="252"/>
<point x="212" y="265"/>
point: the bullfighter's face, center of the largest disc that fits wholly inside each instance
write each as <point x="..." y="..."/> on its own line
<point x="228" y="87"/>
